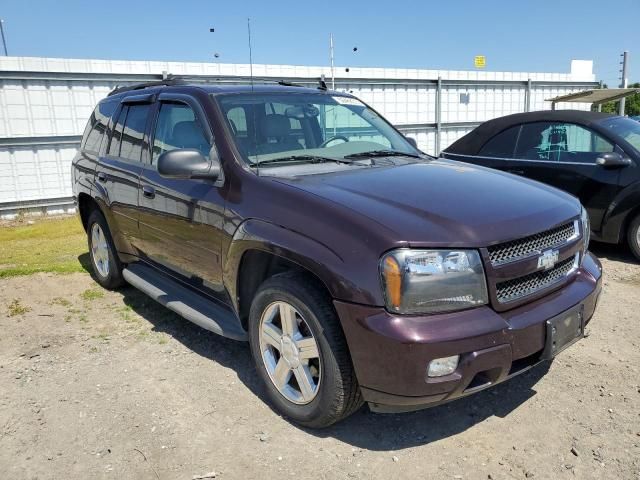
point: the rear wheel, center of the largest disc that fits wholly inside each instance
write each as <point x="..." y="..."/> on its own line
<point x="301" y="353"/>
<point x="633" y="236"/>
<point x="107" y="268"/>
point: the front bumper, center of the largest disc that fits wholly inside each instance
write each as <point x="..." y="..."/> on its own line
<point x="390" y="352"/>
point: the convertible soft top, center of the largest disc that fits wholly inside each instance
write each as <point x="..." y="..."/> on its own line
<point x="471" y="143"/>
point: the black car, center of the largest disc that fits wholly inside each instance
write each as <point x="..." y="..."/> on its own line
<point x="594" y="156"/>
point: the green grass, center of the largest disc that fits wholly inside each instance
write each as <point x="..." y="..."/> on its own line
<point x="63" y="302"/>
<point x="16" y="308"/>
<point x="92" y="294"/>
<point x="48" y="245"/>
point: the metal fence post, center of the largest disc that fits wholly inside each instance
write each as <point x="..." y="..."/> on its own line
<point x="438" y="115"/>
<point x="623" y="84"/>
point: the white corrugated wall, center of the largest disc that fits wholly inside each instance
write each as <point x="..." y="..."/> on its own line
<point x="45" y="103"/>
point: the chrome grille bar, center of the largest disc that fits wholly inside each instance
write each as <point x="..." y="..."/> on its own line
<point x="534" y="244"/>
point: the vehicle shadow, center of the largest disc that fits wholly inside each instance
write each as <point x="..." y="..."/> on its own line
<point x="618" y="253"/>
<point x="363" y="429"/>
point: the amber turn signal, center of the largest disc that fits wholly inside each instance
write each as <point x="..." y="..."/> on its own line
<point x="393" y="280"/>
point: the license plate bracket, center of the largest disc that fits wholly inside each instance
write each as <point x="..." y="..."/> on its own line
<point x="563" y="331"/>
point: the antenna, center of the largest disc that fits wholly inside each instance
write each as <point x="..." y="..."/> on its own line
<point x="250" y="53"/>
<point x="253" y="107"/>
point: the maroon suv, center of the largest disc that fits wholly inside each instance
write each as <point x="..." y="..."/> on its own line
<point x="358" y="268"/>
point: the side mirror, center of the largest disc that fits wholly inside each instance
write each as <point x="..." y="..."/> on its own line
<point x="412" y="141"/>
<point x="612" y="160"/>
<point x="189" y="163"/>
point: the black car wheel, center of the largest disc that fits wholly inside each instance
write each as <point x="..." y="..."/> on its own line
<point x="633" y="236"/>
<point x="107" y="268"/>
<point x="300" y="352"/>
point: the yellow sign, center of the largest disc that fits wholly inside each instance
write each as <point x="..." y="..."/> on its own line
<point x="480" y="61"/>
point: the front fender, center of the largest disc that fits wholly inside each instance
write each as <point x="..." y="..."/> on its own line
<point x="626" y="202"/>
<point x="343" y="281"/>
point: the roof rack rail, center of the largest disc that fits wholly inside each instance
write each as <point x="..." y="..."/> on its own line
<point x="139" y="86"/>
<point x="285" y="83"/>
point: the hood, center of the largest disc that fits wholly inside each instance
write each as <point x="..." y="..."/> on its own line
<point x="444" y="203"/>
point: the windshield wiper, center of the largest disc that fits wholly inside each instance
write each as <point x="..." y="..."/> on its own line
<point x="298" y="158"/>
<point x="383" y="153"/>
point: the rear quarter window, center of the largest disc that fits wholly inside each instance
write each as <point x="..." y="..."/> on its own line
<point x="502" y="145"/>
<point x="97" y="127"/>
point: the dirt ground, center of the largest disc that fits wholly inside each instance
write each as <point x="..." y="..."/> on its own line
<point x="97" y="384"/>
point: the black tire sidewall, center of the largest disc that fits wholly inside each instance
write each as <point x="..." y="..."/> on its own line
<point x="632" y="236"/>
<point x="114" y="278"/>
<point x="312" y="413"/>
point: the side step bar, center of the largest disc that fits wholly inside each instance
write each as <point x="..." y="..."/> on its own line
<point x="184" y="302"/>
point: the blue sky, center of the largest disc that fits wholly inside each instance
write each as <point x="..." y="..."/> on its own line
<point x="520" y="35"/>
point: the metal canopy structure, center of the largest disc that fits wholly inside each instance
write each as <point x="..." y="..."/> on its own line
<point x="596" y="97"/>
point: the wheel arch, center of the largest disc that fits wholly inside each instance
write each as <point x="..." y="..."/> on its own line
<point x="260" y="250"/>
<point x="624" y="208"/>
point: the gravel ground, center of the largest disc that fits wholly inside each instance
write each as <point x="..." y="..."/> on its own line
<point x="97" y="384"/>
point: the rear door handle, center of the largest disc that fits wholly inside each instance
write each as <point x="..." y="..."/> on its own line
<point x="148" y="191"/>
<point x="102" y="177"/>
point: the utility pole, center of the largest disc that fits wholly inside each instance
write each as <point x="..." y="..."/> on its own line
<point x="4" y="40"/>
<point x="333" y="75"/>
<point x="623" y="84"/>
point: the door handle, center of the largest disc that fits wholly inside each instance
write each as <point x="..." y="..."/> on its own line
<point x="102" y="177"/>
<point x="148" y="192"/>
<point x="517" y="172"/>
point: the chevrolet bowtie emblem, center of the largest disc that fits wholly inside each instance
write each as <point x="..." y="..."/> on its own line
<point x="548" y="259"/>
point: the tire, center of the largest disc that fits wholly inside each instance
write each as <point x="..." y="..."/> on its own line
<point x="633" y="236"/>
<point x="107" y="269"/>
<point x="336" y="394"/>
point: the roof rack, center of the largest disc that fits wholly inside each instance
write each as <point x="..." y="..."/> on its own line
<point x="140" y="86"/>
<point x="285" y="83"/>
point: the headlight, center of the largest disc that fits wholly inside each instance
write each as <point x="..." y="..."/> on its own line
<point x="586" y="229"/>
<point x="430" y="281"/>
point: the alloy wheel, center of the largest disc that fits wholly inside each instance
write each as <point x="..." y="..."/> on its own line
<point x="99" y="250"/>
<point x="290" y="353"/>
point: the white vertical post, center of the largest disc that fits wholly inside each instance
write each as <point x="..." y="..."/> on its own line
<point x="625" y="60"/>
<point x="4" y="40"/>
<point x="333" y="75"/>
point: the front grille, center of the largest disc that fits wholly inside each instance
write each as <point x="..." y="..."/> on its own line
<point x="524" y="247"/>
<point x="529" y="284"/>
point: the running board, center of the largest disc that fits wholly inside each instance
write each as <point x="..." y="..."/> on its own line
<point x="185" y="302"/>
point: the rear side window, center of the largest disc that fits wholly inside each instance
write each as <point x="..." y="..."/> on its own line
<point x="502" y="145"/>
<point x="133" y="133"/>
<point x="116" y="134"/>
<point x="128" y="132"/>
<point x="97" y="126"/>
<point x="178" y="127"/>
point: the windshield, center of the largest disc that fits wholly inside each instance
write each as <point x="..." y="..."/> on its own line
<point x="306" y="127"/>
<point x="625" y="128"/>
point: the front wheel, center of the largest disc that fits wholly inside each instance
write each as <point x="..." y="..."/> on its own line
<point x="633" y="236"/>
<point x="300" y="352"/>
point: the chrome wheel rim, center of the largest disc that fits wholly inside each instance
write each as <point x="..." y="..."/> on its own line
<point x="290" y="353"/>
<point x="638" y="237"/>
<point x="99" y="250"/>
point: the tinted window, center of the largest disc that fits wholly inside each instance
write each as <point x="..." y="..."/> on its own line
<point x="116" y="134"/>
<point x="97" y="126"/>
<point x="626" y="128"/>
<point x="238" y="120"/>
<point x="178" y="127"/>
<point x="133" y="133"/>
<point x="502" y="145"/>
<point x="560" y="142"/>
